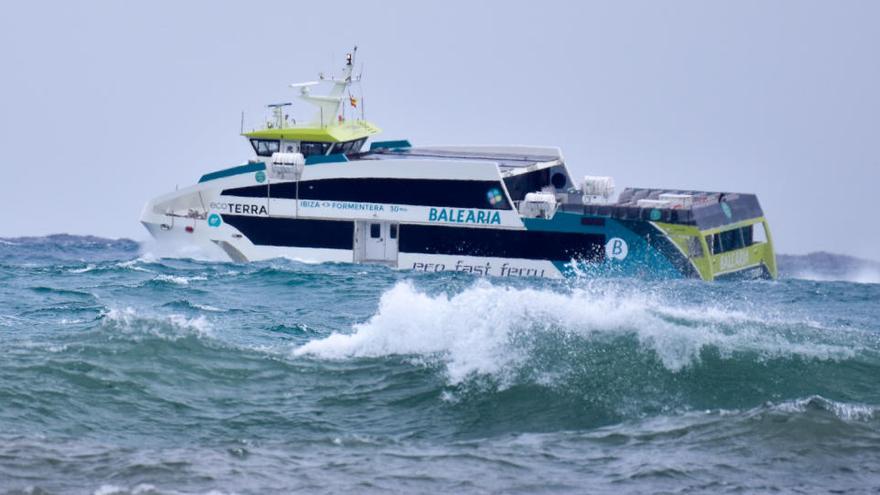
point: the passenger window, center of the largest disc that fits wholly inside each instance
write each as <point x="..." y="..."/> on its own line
<point x="393" y="233"/>
<point x="558" y="180"/>
<point x="747" y="236"/>
<point x="759" y="235"/>
<point x="375" y="230"/>
<point x="695" y="249"/>
<point x="730" y="240"/>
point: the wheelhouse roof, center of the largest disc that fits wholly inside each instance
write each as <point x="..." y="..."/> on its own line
<point x="346" y="131"/>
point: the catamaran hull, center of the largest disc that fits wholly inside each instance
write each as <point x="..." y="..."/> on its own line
<point x="570" y="243"/>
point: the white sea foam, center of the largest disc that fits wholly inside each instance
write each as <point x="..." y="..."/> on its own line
<point x="479" y="330"/>
<point x="176" y="279"/>
<point x="84" y="269"/>
<point x="843" y="410"/>
<point x="152" y="250"/>
<point x="144" y="489"/>
<point x="129" y="265"/>
<point x="167" y="326"/>
<point x="208" y="307"/>
<point x="133" y="264"/>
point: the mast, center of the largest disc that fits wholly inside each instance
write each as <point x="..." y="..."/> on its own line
<point x="330" y="104"/>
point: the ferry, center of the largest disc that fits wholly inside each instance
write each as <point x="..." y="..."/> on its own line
<point x="318" y="191"/>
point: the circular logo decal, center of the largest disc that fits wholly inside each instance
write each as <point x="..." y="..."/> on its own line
<point x="214" y="220"/>
<point x="726" y="209"/>
<point x="260" y="176"/>
<point x="616" y="248"/>
<point x="494" y="196"/>
<point x="655" y="214"/>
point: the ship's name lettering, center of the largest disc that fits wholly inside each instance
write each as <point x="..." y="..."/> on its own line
<point x="454" y="215"/>
<point x="341" y="205"/>
<point x="240" y="208"/>
<point x="481" y="269"/>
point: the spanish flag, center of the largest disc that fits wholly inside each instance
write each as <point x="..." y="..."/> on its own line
<point x="353" y="101"/>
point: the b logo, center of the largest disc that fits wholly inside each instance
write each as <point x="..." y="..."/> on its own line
<point x="260" y="176"/>
<point x="214" y="220"/>
<point x="616" y="248"/>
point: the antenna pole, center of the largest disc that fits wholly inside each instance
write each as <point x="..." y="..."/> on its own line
<point x="242" y="122"/>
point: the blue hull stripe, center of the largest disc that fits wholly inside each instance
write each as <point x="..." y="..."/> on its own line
<point x="229" y="172"/>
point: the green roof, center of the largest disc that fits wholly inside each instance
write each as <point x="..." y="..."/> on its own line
<point x="346" y="131"/>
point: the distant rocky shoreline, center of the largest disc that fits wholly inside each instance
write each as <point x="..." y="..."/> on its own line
<point x="828" y="266"/>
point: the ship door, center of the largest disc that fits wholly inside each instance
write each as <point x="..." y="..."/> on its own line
<point x="380" y="241"/>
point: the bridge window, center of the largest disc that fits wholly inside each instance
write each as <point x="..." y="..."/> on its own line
<point x="308" y="148"/>
<point x="265" y="147"/>
<point x="349" y="146"/>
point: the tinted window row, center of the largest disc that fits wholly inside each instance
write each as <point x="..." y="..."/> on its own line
<point x="265" y="147"/>
<point x="422" y="192"/>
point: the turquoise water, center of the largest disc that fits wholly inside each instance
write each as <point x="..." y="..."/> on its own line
<point x="122" y="372"/>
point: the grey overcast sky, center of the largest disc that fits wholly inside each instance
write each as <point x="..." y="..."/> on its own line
<point x="106" y="104"/>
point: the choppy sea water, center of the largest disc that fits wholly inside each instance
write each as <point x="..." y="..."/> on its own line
<point x="123" y="372"/>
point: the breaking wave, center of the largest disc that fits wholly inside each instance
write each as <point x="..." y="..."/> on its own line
<point x="171" y="326"/>
<point x="495" y="330"/>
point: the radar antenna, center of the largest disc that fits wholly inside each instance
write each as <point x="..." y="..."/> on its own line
<point x="280" y="119"/>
